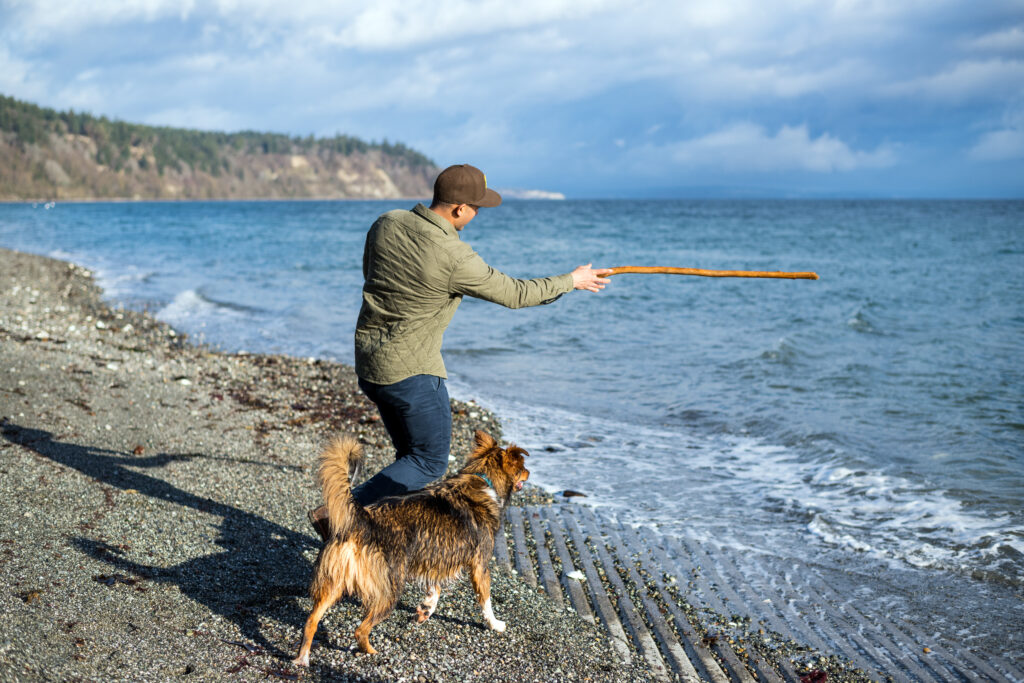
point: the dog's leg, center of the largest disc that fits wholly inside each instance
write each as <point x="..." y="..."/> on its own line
<point x="481" y="578"/>
<point x="323" y="603"/>
<point x="429" y="604"/>
<point x="374" y="615"/>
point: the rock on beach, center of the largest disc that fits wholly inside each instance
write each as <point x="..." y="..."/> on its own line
<point x="153" y="498"/>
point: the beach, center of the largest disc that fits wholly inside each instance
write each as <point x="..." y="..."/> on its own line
<point x="154" y="496"/>
<point x="824" y="467"/>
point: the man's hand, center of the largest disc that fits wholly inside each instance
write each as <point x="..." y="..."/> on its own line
<point x="589" y="278"/>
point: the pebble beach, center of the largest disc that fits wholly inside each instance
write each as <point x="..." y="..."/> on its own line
<point x="153" y="498"/>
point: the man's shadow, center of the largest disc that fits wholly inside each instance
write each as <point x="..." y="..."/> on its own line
<point x="260" y="573"/>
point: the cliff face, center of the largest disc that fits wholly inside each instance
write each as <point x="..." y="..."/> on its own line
<point x="63" y="155"/>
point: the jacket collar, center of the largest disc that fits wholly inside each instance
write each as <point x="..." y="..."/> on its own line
<point x="446" y="227"/>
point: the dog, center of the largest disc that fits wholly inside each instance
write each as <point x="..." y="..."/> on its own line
<point x="431" y="536"/>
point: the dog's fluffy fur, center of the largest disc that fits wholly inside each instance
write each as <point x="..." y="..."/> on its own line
<point x="430" y="536"/>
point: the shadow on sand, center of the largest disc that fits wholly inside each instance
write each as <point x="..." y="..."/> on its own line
<point x="260" y="573"/>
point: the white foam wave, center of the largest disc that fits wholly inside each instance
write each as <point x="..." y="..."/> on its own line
<point x="185" y="306"/>
<point x="191" y="308"/>
<point x="61" y="255"/>
<point x="115" y="281"/>
<point x="671" y="478"/>
<point x="123" y="282"/>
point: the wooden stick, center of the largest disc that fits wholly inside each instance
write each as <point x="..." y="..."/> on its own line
<point x="711" y="273"/>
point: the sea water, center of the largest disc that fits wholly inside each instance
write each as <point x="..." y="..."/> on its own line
<point x="874" y="417"/>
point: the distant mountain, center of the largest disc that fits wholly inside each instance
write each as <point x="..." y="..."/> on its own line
<point x="46" y="154"/>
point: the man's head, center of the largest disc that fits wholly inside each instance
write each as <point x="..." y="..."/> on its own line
<point x="459" y="192"/>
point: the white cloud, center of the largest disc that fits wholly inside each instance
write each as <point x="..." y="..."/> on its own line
<point x="383" y="24"/>
<point x="727" y="81"/>
<point x="483" y="78"/>
<point x="14" y="72"/>
<point x="197" y="116"/>
<point x="749" y="147"/>
<point x="522" y="54"/>
<point x="1003" y="144"/>
<point x="388" y="24"/>
<point x="999" y="145"/>
<point x="1006" y="40"/>
<point x="41" y="20"/>
<point x="967" y="80"/>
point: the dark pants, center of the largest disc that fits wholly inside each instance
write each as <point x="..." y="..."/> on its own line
<point x="418" y="418"/>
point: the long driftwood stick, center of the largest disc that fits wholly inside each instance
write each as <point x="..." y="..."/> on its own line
<point x="711" y="273"/>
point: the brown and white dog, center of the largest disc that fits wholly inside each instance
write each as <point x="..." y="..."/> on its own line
<point x="429" y="536"/>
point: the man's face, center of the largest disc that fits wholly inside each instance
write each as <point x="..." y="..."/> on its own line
<point x="463" y="214"/>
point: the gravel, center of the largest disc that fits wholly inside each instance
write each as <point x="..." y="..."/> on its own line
<point x="153" y="496"/>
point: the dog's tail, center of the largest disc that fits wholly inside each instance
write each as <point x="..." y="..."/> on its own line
<point x="335" y="462"/>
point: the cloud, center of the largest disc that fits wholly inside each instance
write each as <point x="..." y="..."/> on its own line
<point x="1003" y="144"/>
<point x="748" y="147"/>
<point x="1005" y="40"/>
<point x="508" y="55"/>
<point x="42" y="20"/>
<point x="483" y="78"/>
<point x="381" y="25"/>
<point x="14" y="72"/>
<point x="732" y="81"/>
<point x="968" y="80"/>
<point x="999" y="145"/>
<point x="204" y="118"/>
<point x="391" y="24"/>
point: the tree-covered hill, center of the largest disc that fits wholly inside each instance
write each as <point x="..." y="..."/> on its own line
<point x="49" y="154"/>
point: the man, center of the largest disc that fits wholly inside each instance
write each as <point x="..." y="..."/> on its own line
<point x="416" y="270"/>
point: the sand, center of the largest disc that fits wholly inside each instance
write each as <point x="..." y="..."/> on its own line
<point x="153" y="498"/>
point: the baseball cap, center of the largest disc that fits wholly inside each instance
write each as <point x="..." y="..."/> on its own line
<point x="464" y="184"/>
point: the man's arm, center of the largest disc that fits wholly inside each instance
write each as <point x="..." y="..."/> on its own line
<point x="473" y="277"/>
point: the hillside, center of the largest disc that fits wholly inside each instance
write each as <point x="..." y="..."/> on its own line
<point x="46" y="154"/>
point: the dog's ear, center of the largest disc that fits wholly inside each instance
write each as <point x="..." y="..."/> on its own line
<point x="484" y="441"/>
<point x="513" y="462"/>
<point x="516" y="450"/>
<point x="513" y="458"/>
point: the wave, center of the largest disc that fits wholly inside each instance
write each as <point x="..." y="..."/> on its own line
<point x="861" y="321"/>
<point x="193" y="304"/>
<point x="786" y="352"/>
<point x="117" y="281"/>
<point x="705" y="484"/>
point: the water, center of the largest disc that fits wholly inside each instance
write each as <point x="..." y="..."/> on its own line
<point x="874" y="416"/>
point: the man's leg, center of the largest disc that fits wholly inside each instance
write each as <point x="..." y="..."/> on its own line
<point x="418" y="418"/>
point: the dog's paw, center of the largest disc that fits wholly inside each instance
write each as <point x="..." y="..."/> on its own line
<point x="496" y="625"/>
<point x="301" y="661"/>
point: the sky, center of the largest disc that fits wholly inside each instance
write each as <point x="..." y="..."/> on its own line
<point x="596" y="99"/>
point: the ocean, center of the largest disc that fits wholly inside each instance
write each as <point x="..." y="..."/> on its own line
<point x="872" y="420"/>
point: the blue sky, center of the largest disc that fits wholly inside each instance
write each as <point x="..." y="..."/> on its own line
<point x="901" y="98"/>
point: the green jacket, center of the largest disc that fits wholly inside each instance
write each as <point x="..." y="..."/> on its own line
<point x="416" y="271"/>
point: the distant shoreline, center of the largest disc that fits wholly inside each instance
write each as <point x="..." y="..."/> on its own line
<point x="123" y="200"/>
<point x="148" y="200"/>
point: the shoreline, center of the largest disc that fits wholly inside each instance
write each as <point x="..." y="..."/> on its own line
<point x="152" y="200"/>
<point x="154" y="496"/>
